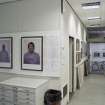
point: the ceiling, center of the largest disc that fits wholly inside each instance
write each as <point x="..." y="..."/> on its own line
<point x="85" y="14"/>
<point x="96" y="26"/>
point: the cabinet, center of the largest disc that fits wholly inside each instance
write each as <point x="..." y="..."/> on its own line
<point x="23" y="91"/>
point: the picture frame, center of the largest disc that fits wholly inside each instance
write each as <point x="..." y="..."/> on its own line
<point x="32" y="53"/>
<point x="6" y="52"/>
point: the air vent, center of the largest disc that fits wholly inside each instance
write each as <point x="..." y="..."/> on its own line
<point x="2" y="2"/>
<point x="94" y="25"/>
<point x="91" y="5"/>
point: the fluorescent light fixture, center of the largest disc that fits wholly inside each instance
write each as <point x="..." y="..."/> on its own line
<point x="94" y="18"/>
<point x="91" y="5"/>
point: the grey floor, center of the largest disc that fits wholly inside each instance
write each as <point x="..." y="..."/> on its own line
<point x="91" y="93"/>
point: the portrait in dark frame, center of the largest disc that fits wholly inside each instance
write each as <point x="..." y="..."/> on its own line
<point x="6" y="60"/>
<point x="32" y="53"/>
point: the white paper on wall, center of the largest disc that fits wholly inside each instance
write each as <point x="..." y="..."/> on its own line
<point x="52" y="50"/>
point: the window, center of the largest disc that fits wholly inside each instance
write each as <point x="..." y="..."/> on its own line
<point x="96" y="54"/>
<point x="104" y="54"/>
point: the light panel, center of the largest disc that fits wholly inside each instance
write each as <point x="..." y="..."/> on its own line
<point x="94" y="18"/>
<point x="91" y="7"/>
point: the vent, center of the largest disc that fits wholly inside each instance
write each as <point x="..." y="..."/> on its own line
<point x="91" y="4"/>
<point x="93" y="25"/>
<point x="2" y="2"/>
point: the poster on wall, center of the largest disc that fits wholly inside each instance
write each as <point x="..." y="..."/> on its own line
<point x="32" y="53"/>
<point x="6" y="52"/>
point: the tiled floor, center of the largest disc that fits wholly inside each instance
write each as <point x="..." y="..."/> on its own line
<point x="92" y="92"/>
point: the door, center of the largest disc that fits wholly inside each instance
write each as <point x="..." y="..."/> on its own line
<point x="71" y="64"/>
<point x="97" y="58"/>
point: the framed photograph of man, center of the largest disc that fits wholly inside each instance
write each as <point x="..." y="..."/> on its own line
<point x="6" y="60"/>
<point x="32" y="53"/>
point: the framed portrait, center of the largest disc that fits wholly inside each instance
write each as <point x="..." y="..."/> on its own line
<point x="6" y="60"/>
<point x="32" y="53"/>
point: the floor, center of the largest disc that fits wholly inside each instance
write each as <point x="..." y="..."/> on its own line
<point x="92" y="92"/>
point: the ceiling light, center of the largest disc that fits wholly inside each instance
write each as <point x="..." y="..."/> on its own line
<point x="91" y="5"/>
<point x="94" y="18"/>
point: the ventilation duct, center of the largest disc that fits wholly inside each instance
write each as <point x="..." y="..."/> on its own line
<point x="91" y="4"/>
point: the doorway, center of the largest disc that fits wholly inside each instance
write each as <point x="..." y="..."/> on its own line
<point x="97" y="58"/>
<point x="71" y="65"/>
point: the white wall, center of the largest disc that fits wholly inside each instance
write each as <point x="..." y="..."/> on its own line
<point x="33" y="18"/>
<point x="36" y="17"/>
<point x="30" y="15"/>
<point x="70" y="26"/>
<point x="51" y="54"/>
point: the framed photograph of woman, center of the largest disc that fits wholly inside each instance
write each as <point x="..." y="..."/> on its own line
<point x="6" y="60"/>
<point x="32" y="53"/>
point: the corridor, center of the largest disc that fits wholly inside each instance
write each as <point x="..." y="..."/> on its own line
<point x="92" y="92"/>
